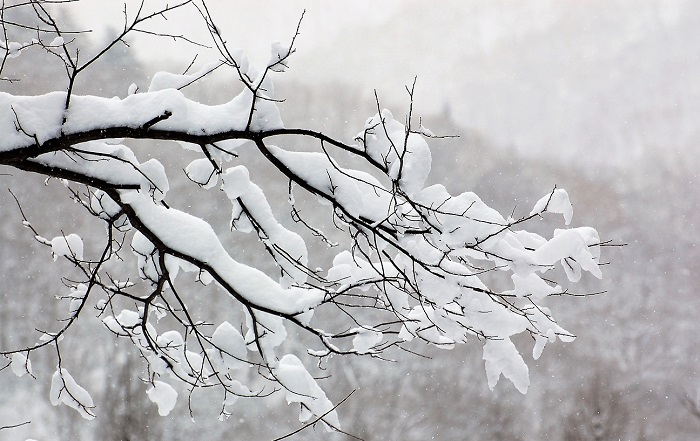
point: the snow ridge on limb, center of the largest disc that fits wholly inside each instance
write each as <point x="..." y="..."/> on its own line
<point x="301" y="387"/>
<point x="410" y="269"/>
<point x="64" y="390"/>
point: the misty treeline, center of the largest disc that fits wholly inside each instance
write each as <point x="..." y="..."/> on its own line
<point x="625" y="377"/>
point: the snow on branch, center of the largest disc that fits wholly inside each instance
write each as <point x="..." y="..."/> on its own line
<point x="412" y="266"/>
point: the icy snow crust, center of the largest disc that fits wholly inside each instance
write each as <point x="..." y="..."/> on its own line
<point x="418" y="251"/>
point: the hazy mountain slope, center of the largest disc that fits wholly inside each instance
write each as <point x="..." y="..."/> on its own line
<point x="600" y="82"/>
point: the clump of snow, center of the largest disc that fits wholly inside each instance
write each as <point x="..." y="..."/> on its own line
<point x="251" y="205"/>
<point x="204" y="277"/>
<point x="174" y="264"/>
<point x="541" y="340"/>
<point x="164" y="396"/>
<point x="38" y="116"/>
<point x="201" y="171"/>
<point x="421" y="323"/>
<point x="464" y="217"/>
<point x="12" y="48"/>
<point x="89" y="160"/>
<point x="366" y="339"/>
<point x="301" y="388"/>
<point x="406" y="157"/>
<point x="278" y="52"/>
<point x="103" y="205"/>
<point x="502" y="357"/>
<point x="576" y="248"/>
<point x="274" y="333"/>
<point x="555" y="202"/>
<point x="167" y="80"/>
<point x="357" y="192"/>
<point x="21" y="364"/>
<point x="192" y="236"/>
<point x="240" y="59"/>
<point x="154" y="180"/>
<point x="128" y="318"/>
<point x="235" y="181"/>
<point x="64" y="390"/>
<point x="145" y="250"/>
<point x="230" y="351"/>
<point x="113" y="325"/>
<point x="77" y="295"/>
<point x="70" y="246"/>
<point x="236" y="389"/>
<point x="28" y="120"/>
<point x="47" y="336"/>
<point x="533" y="286"/>
<point x="348" y="269"/>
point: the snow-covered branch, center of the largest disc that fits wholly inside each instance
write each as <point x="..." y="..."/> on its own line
<point x="416" y="262"/>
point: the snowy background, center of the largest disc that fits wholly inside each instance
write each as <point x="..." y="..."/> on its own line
<point x="600" y="98"/>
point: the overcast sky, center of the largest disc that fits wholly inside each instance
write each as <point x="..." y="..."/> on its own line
<point x="251" y="25"/>
<point x="601" y="81"/>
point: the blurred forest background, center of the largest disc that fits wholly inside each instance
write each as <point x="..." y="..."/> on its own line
<point x="600" y="98"/>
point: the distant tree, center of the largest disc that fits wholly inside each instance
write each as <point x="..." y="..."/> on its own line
<point x="600" y="412"/>
<point x="409" y="263"/>
<point x="691" y="403"/>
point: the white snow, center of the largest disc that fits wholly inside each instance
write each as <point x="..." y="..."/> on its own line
<point x="555" y="202"/>
<point x="14" y="49"/>
<point x="359" y="193"/>
<point x="270" y="334"/>
<point x="572" y="244"/>
<point x="300" y="387"/>
<point x="533" y="286"/>
<point x="20" y="364"/>
<point x="144" y="250"/>
<point x="38" y="116"/>
<point x="164" y="396"/>
<point x="241" y="59"/>
<point x="193" y="237"/>
<point x="124" y="169"/>
<point x="386" y="142"/>
<point x="422" y="255"/>
<point x="468" y="219"/>
<point x="154" y="180"/>
<point x="235" y="182"/>
<point x="41" y="117"/>
<point x="103" y="205"/>
<point x="278" y="52"/>
<point x="231" y="351"/>
<point x="70" y="245"/>
<point x="502" y="357"/>
<point x="201" y="171"/>
<point x="128" y="319"/>
<point x="77" y="294"/>
<point x="289" y="248"/>
<point x="167" y="80"/>
<point x="365" y="339"/>
<point x="64" y="390"/>
<point x="541" y="341"/>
